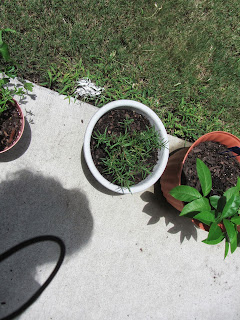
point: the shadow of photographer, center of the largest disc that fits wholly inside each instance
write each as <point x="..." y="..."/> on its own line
<point x="157" y="207"/>
<point x="32" y="206"/>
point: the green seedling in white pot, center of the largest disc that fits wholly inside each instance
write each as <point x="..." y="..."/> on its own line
<point x="220" y="213"/>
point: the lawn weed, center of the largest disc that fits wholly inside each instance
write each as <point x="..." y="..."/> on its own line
<point x="158" y="52"/>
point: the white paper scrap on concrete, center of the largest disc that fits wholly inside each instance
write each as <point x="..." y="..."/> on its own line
<point x="86" y="88"/>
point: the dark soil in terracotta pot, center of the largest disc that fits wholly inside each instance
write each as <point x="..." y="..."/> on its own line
<point x="112" y="121"/>
<point x="10" y="125"/>
<point x="224" y="169"/>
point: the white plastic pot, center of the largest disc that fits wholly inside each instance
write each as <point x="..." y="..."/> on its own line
<point x="162" y="154"/>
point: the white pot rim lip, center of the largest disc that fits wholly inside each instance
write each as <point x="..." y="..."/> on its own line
<point x="145" y="184"/>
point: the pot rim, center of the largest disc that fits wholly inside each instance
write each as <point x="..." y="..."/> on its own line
<point x="21" y="129"/>
<point x="205" y="137"/>
<point x="154" y="120"/>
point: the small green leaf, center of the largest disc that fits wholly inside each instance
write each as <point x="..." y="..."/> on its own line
<point x="231" y="206"/>
<point x="9" y="30"/>
<point x="214" y="201"/>
<point x="4" y="52"/>
<point x="198" y="205"/>
<point x="221" y="203"/>
<point x="5" y="30"/>
<point x="226" y="248"/>
<point x="236" y="220"/>
<point x="238" y="184"/>
<point x="11" y="72"/>
<point x="185" y="193"/>
<point x="205" y="216"/>
<point x="230" y="192"/>
<point x="28" y="86"/>
<point x="232" y="234"/>
<point x="212" y="242"/>
<point x="4" y="81"/>
<point x="204" y="176"/>
<point x="215" y="235"/>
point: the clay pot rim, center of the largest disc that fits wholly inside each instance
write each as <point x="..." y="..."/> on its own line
<point x="21" y="129"/>
<point x="203" y="138"/>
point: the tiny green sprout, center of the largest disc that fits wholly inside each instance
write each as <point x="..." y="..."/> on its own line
<point x="221" y="214"/>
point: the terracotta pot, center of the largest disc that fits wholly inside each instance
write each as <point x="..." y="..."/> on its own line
<point x="172" y="174"/>
<point x="162" y="155"/>
<point x="21" y="129"/>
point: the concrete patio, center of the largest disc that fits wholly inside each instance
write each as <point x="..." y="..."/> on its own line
<point x="127" y="256"/>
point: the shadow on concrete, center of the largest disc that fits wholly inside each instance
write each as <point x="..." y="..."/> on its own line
<point x="157" y="207"/>
<point x="94" y="183"/>
<point x="37" y="294"/>
<point x="20" y="148"/>
<point x="23" y="99"/>
<point x="31" y="206"/>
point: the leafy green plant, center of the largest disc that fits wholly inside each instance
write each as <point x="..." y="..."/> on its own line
<point x="220" y="213"/>
<point x="10" y="71"/>
<point x="4" y="50"/>
<point x="128" y="153"/>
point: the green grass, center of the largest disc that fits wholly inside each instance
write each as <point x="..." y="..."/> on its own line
<point x="181" y="58"/>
